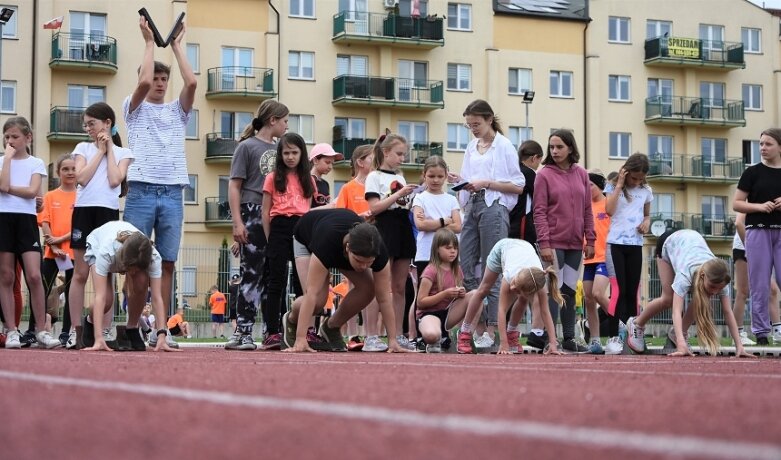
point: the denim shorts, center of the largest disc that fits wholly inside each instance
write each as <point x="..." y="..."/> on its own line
<point x="160" y="208"/>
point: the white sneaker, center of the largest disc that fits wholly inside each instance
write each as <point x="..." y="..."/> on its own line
<point x="614" y="346"/>
<point x="484" y="341"/>
<point x="374" y="344"/>
<point x="434" y="348"/>
<point x="745" y="341"/>
<point x="46" y="340"/>
<point x="107" y="334"/>
<point x="635" y="338"/>
<point x="12" y="339"/>
<point x="71" y="339"/>
<point x="404" y="343"/>
<point x="776" y="336"/>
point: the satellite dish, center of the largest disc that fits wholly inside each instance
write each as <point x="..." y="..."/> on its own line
<point x="658" y="227"/>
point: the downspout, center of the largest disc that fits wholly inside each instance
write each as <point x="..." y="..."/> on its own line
<point x="585" y="90"/>
<point x="32" y="66"/>
<point x="279" y="49"/>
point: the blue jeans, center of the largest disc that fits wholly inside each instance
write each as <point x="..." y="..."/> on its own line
<point x="160" y="208"/>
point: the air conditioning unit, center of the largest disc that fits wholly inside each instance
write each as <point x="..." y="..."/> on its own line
<point x="390" y="4"/>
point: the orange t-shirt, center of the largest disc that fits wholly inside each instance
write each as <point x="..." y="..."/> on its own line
<point x="175" y="320"/>
<point x="58" y="212"/>
<point x="218" y="301"/>
<point x="289" y="203"/>
<point x="340" y="290"/>
<point x="353" y="196"/>
<point x="601" y="227"/>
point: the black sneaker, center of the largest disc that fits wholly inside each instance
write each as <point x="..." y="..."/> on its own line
<point x="27" y="339"/>
<point x="445" y="343"/>
<point x="333" y="336"/>
<point x="572" y="346"/>
<point x="135" y="340"/>
<point x="63" y="337"/>
<point x="761" y="341"/>
<point x="87" y="333"/>
<point x="537" y="341"/>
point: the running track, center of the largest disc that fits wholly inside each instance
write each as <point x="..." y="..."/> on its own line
<point x="209" y="403"/>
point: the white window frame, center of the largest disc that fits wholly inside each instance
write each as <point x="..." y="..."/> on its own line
<point x="708" y="92"/>
<point x="620" y="144"/>
<point x="616" y="85"/>
<point x="192" y="121"/>
<point x="517" y="75"/>
<point x="10" y="27"/>
<point x="752" y="97"/>
<point x="408" y="129"/>
<point x="619" y="30"/>
<point x="236" y="61"/>
<point x="752" y="40"/>
<point x="520" y="134"/>
<point x="458" y="13"/>
<point x="353" y="63"/>
<point x="755" y="155"/>
<point x="560" y="88"/>
<point x="235" y="120"/>
<point x="193" y="51"/>
<point x="301" y="6"/>
<point x="352" y="128"/>
<point x="302" y="124"/>
<point x="300" y="68"/>
<point x="708" y="148"/>
<point x="87" y="22"/>
<point x="85" y="100"/>
<point x="461" y="137"/>
<point x="658" y="26"/>
<point x="460" y="70"/>
<point x="192" y="185"/>
<point x="190" y="281"/>
<point x="6" y="84"/>
<point x="713" y="35"/>
<point x="659" y="205"/>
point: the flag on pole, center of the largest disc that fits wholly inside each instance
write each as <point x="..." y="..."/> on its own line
<point x="55" y="23"/>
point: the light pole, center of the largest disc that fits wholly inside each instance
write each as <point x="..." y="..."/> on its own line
<point x="5" y="16"/>
<point x="528" y="97"/>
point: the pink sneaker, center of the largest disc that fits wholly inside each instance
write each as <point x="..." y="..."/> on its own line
<point x="465" y="343"/>
<point x="513" y="338"/>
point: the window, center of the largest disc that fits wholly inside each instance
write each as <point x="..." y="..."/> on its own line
<point x="191" y="131"/>
<point x="303" y="125"/>
<point x="459" y="77"/>
<point x="9" y="28"/>
<point x="352" y="65"/>
<point x="189" y="277"/>
<point x="222" y="187"/>
<point x="663" y="205"/>
<point x="560" y="84"/>
<point x="752" y="40"/>
<point x="302" y="8"/>
<point x="354" y="6"/>
<point x="713" y="215"/>
<point x="80" y="96"/>
<point x="457" y="136"/>
<point x="712" y="95"/>
<point x="338" y="184"/>
<point x="654" y="28"/>
<point x="350" y="128"/>
<point x="660" y="154"/>
<point x="413" y="75"/>
<point x="405" y="7"/>
<point x="518" y="135"/>
<point x="84" y="29"/>
<point x="233" y="123"/>
<point x="459" y="16"/>
<point x="751" y="155"/>
<point x="520" y="81"/>
<point x="618" y="30"/>
<point x="620" y="145"/>
<point x="416" y="132"/>
<point x="8" y="96"/>
<point x="191" y="190"/>
<point x="752" y="97"/>
<point x="193" y="56"/>
<point x="236" y="62"/>
<point x="618" y="88"/>
<point x="301" y="65"/>
<point x="714" y="152"/>
<point x="713" y="42"/>
<point x="660" y="91"/>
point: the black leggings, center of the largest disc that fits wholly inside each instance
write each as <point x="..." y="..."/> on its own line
<point x="625" y="265"/>
<point x="49" y="272"/>
<point x="278" y="253"/>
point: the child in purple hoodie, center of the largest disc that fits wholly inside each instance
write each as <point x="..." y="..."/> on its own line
<point x="562" y="215"/>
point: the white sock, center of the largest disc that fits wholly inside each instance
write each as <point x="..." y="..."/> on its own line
<point x="466" y="327"/>
<point x="515" y="328"/>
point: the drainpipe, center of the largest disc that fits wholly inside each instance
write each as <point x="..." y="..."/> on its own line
<point x="32" y="66"/>
<point x="279" y="49"/>
<point x="585" y="91"/>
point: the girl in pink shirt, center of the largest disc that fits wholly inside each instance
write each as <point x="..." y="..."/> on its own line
<point x="287" y="195"/>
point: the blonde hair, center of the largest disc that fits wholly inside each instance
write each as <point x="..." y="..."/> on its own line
<point x="444" y="237"/>
<point x="531" y="279"/>
<point x="360" y="152"/>
<point x="267" y="110"/>
<point x="385" y="142"/>
<point x="136" y="250"/>
<point x="717" y="272"/>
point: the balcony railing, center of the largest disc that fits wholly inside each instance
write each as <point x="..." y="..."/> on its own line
<point x="681" y="51"/>
<point x="217" y="211"/>
<point x="418" y="152"/>
<point x="388" y="29"/>
<point x="98" y="52"/>
<point x="388" y="91"/>
<point x="240" y="82"/>
<point x="695" y="167"/>
<point x="694" y="111"/>
<point x="710" y="226"/>
<point x="65" y="123"/>
<point x="220" y="146"/>
<point x="347" y="146"/>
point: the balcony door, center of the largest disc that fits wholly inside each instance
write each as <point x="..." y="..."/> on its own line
<point x="87" y="33"/>
<point x="712" y="37"/>
<point x="412" y="81"/>
<point x="660" y="90"/>
<point x="714" y="158"/>
<point x="714" y="215"/>
<point x="79" y="98"/>
<point x="232" y="124"/>
<point x="356" y="12"/>
<point x="416" y="133"/>
<point x="236" y="62"/>
<point x="660" y="154"/>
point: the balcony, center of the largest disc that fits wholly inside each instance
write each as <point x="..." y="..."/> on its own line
<point x="693" y="52"/>
<point x="218" y="213"/>
<point x="709" y="226"/>
<point x="380" y="29"/>
<point x="695" y="168"/>
<point x="418" y="152"/>
<point x="406" y="93"/>
<point x="65" y="124"/>
<point x="696" y="111"/>
<point x="220" y="149"/>
<point x="96" y="53"/>
<point x="253" y="83"/>
<point x="347" y="146"/>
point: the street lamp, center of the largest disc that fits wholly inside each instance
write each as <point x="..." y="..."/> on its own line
<point x="528" y="97"/>
<point x="5" y="16"/>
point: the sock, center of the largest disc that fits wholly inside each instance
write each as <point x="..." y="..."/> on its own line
<point x="595" y="340"/>
<point x="776" y="327"/>
<point x="537" y="332"/>
<point x="466" y="327"/>
<point x="515" y="328"/>
<point x="740" y="330"/>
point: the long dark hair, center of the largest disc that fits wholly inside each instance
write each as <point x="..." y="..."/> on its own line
<point x="481" y="108"/>
<point x="302" y="169"/>
<point x="568" y="138"/>
<point x="104" y="112"/>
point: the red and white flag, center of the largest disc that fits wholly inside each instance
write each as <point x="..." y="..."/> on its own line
<point x="55" y="23"/>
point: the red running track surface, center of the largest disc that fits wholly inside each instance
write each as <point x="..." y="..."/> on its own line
<point x="210" y="403"/>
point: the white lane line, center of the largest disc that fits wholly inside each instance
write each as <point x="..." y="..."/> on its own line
<point x="665" y="444"/>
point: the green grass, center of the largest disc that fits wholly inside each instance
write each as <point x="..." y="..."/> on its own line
<point x="725" y="341"/>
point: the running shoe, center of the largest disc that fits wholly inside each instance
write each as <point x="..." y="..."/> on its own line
<point x="636" y="336"/>
<point x="464" y="343"/>
<point x="513" y="338"/>
<point x="595" y="347"/>
<point x="574" y="346"/>
<point x="239" y="341"/>
<point x="762" y="341"/>
<point x="355" y="343"/>
<point x="614" y="346"/>
<point x="333" y="337"/>
<point x="777" y="335"/>
<point x="12" y="339"/>
<point x="27" y="339"/>
<point x="45" y="340"/>
<point x="87" y="332"/>
<point x="745" y="341"/>
<point x="288" y="331"/>
<point x="484" y="341"/>
<point x="405" y="343"/>
<point x="433" y="348"/>
<point x="374" y="344"/>
<point x="537" y="341"/>
<point x="272" y="342"/>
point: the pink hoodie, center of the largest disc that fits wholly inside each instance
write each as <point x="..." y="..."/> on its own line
<point x="562" y="208"/>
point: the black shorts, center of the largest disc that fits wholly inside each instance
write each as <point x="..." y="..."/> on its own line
<point x="396" y="231"/>
<point x="739" y="254"/>
<point x="176" y="330"/>
<point x="19" y="233"/>
<point x="86" y="219"/>
<point x="441" y="314"/>
<point x="660" y="242"/>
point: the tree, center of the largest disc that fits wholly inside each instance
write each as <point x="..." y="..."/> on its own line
<point x="223" y="267"/>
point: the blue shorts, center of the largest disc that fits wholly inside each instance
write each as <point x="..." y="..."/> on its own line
<point x="160" y="208"/>
<point x="590" y="271"/>
<point x="218" y="318"/>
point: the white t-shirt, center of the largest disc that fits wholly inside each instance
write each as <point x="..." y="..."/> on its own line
<point x="102" y="246"/>
<point x="98" y="192"/>
<point x="628" y="215"/>
<point x="435" y="206"/>
<point x="382" y="184"/>
<point x="21" y="175"/>
<point x="499" y="163"/>
<point x="156" y="136"/>
<point x="514" y="255"/>
<point x="686" y="250"/>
